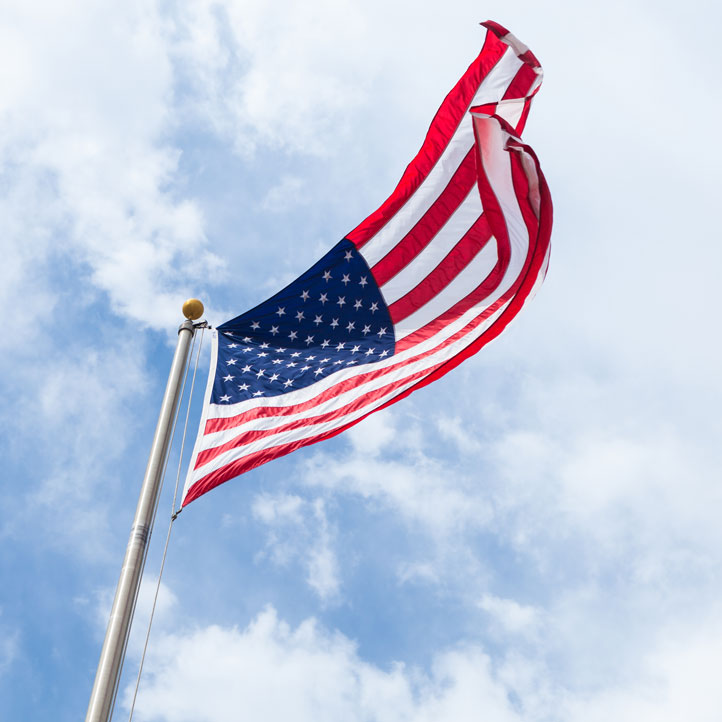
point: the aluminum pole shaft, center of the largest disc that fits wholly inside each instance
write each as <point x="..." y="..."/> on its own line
<point x="102" y="698"/>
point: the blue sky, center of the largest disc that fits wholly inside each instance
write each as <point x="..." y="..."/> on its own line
<point x="534" y="537"/>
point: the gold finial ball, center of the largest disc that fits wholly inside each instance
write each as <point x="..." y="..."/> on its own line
<point x="193" y="309"/>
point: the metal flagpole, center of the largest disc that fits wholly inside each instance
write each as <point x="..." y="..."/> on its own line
<point x="102" y="698"/>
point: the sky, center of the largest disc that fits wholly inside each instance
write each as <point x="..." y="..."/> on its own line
<point x="533" y="538"/>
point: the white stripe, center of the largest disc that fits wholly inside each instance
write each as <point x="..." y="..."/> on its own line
<point x="496" y="161"/>
<point x="491" y="90"/>
<point x="511" y="110"/>
<point x="204" y="414"/>
<point x="460" y="221"/>
<point x="475" y="272"/>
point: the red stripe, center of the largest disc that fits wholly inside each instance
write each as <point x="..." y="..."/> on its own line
<point x="524" y="115"/>
<point x="430" y="223"/>
<point x="251" y="435"/>
<point x="458" y="258"/>
<point x="520" y="86"/>
<point x="257" y="458"/>
<point x="443" y="126"/>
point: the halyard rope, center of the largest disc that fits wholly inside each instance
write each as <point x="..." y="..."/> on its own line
<point x="174" y="513"/>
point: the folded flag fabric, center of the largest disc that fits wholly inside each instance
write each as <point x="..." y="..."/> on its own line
<point x="433" y="275"/>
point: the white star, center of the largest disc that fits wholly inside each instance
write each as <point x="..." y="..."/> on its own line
<point x="232" y="345"/>
<point x="290" y="364"/>
<point x="324" y="298"/>
<point x="327" y="276"/>
<point x="243" y="387"/>
<point x="325" y="343"/>
<point x="281" y="311"/>
<point x="370" y="351"/>
<point x="258" y="393"/>
<point x="374" y="307"/>
<point x="255" y="325"/>
<point x="309" y="340"/>
<point x="260" y="373"/>
<point x="355" y="349"/>
<point x="280" y="350"/>
<point x="277" y="361"/>
<point x="292" y="335"/>
<point x="310" y="358"/>
<point x="341" y="300"/>
<point x="264" y="344"/>
<point x="273" y="377"/>
<point x="318" y="320"/>
<point x="225" y="398"/>
<point x="305" y="368"/>
<point x="350" y="326"/>
<point x="324" y="360"/>
<point x="246" y="339"/>
<point x="274" y="330"/>
<point x="340" y="346"/>
<point x="295" y="354"/>
<point x="383" y="353"/>
<point x="348" y="255"/>
<point x="262" y="354"/>
<point x="345" y="279"/>
<point x="336" y="363"/>
<point x="349" y="363"/>
<point x="318" y="371"/>
<point x="288" y="383"/>
<point x="358" y="304"/>
<point x="382" y="331"/>
<point x="334" y="323"/>
<point x="367" y="329"/>
<point x="299" y="316"/>
<point x="363" y="281"/>
<point x="231" y="361"/>
<point x="228" y="378"/>
<point x="246" y="369"/>
<point x="304" y="295"/>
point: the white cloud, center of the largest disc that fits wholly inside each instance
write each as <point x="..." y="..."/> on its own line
<point x="294" y="93"/>
<point x="512" y="616"/>
<point x="209" y="674"/>
<point x="289" y="193"/>
<point x="272" y="671"/>
<point x="78" y="409"/>
<point x="83" y="151"/>
<point x="298" y="530"/>
<point x="387" y="465"/>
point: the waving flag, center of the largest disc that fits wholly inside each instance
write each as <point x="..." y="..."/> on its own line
<point x="433" y="275"/>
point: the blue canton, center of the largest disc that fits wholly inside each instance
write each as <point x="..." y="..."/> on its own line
<point x="330" y="318"/>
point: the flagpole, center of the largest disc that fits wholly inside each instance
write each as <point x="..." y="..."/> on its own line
<point x="102" y="698"/>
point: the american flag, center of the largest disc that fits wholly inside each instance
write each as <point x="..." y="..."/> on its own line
<point x="433" y="275"/>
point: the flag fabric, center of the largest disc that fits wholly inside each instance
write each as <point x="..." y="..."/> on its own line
<point x="433" y="275"/>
